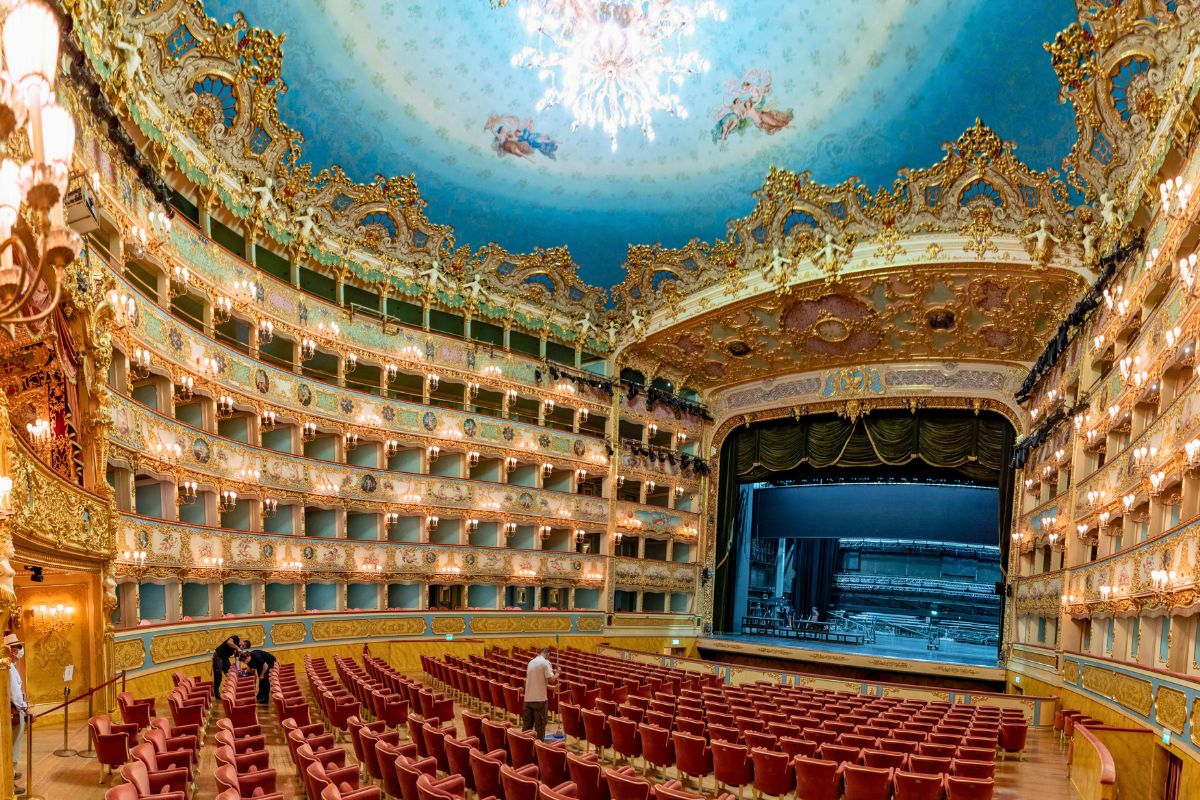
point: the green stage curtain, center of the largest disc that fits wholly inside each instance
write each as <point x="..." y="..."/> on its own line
<point x="975" y="445"/>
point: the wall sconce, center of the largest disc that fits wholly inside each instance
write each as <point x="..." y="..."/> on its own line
<point x="617" y="537"/>
<point x="309" y="431"/>
<point x="391" y="447"/>
<point x="472" y="389"/>
<point x="390" y="371"/>
<point x="688" y="530"/>
<point x="269" y="507"/>
<point x="1104" y="518"/>
<point x="329" y="487"/>
<point x="511" y="394"/>
<point x="547" y="468"/>
<point x="351" y="363"/>
<point x="581" y="475"/>
<point x="473" y="458"/>
<point x="266" y="331"/>
<point x="168" y="451"/>
<point x="1192" y="451"/>
<point x="510" y="463"/>
<point x="185" y="493"/>
<point x="449" y="572"/>
<point x="1105" y="592"/>
<point x="308" y="348"/>
<point x="267" y="420"/>
<point x="373" y="569"/>
<point x="228" y="499"/>
<point x="53" y="619"/>
<point x="139" y="364"/>
<point x="248" y="288"/>
<point x="1128" y="501"/>
<point x="632" y="522"/>
<point x="549" y="404"/>
<point x="184" y="385"/>
<point x="1157" y="480"/>
<point x="1162" y="581"/>
<point x="391" y="519"/>
<point x="678" y="491"/>
<point x="1029" y="483"/>
<point x="1053" y="539"/>
<point x="681" y="436"/>
<point x="329" y="329"/>
<point x="544" y="530"/>
<point x="180" y="277"/>
<point x="472" y="525"/>
<point x="411" y="499"/>
<point x="39" y="433"/>
<point x="434" y="452"/>
<point x="650" y="486"/>
<point x="582" y="414"/>
<point x="224" y="406"/>
<point x="433" y="381"/>
<point x="510" y="528"/>
<point x="1081" y="529"/>
<point x="580" y="534"/>
<point x="214" y="566"/>
<point x="1175" y="195"/>
<point x="6" y="487"/>
<point x="352" y="440"/>
<point x="412" y="352"/>
<point x="222" y="308"/>
<point x="432" y="520"/>
<point x="291" y="566"/>
<point x="620" y="481"/>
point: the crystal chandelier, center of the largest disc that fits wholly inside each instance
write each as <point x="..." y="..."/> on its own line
<point x="613" y="63"/>
<point x="30" y="37"/>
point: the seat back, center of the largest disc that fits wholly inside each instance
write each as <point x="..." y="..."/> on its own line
<point x="817" y="779"/>
<point x="731" y="763"/>
<point x="969" y="788"/>
<point x="773" y="774"/>
<point x="866" y="783"/>
<point x="552" y="762"/>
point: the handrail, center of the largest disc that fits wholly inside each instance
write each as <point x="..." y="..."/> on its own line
<point x="1108" y="768"/>
<point x="84" y="695"/>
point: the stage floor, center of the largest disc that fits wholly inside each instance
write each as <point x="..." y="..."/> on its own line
<point x="886" y="646"/>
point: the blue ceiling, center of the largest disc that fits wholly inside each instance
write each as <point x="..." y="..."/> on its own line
<point x="871" y="85"/>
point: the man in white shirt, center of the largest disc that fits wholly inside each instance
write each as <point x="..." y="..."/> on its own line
<point x="539" y="677"/>
<point x="17" y="704"/>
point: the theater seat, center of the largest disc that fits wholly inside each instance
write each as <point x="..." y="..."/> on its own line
<point x="817" y="779"/>
<point x="867" y="783"/>
<point x="916" y="786"/>
<point x="968" y="788"/>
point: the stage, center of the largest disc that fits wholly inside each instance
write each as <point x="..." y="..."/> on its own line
<point x="889" y="652"/>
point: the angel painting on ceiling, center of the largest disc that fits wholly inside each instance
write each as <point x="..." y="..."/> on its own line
<point x="747" y="104"/>
<point x="513" y="136"/>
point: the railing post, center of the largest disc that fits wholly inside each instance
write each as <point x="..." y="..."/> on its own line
<point x="65" y="751"/>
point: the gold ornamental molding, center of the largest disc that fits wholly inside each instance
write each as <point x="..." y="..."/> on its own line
<point x="129" y="654"/>
<point x="1047" y="660"/>
<point x="1126" y="690"/>
<point x="589" y="624"/>
<point x="288" y="633"/>
<point x="167" y="647"/>
<point x="335" y="629"/>
<point x="529" y="623"/>
<point x="1170" y="706"/>
<point x="49" y="513"/>
<point x="444" y="625"/>
<point x="1196" y="721"/>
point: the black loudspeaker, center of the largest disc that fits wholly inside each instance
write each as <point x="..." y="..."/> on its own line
<point x="1003" y="588"/>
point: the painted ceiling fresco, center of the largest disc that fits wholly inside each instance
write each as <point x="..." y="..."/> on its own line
<point x="861" y="87"/>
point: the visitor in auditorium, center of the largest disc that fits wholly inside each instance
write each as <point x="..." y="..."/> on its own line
<point x="222" y="659"/>
<point x="539" y="677"/>
<point x="18" y="707"/>
<point x="261" y="663"/>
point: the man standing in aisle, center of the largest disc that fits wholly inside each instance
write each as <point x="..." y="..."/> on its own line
<point x="18" y="707"/>
<point x="539" y="677"/>
<point x="261" y="664"/>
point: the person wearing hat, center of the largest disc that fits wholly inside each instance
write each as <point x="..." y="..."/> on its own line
<point x="16" y="698"/>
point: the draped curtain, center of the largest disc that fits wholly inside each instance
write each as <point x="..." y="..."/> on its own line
<point x="975" y="446"/>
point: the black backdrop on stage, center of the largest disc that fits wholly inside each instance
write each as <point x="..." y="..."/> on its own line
<point x="930" y="443"/>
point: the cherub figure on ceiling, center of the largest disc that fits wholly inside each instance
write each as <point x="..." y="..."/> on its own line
<point x="746" y="104"/>
<point x="513" y="136"/>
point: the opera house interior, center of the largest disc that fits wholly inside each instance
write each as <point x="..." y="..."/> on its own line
<point x="600" y="399"/>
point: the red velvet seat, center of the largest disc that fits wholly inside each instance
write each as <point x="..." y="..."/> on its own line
<point x="135" y="711"/>
<point x="839" y="753"/>
<point x="387" y="751"/>
<point x="485" y="771"/>
<point x="572" y="721"/>
<point x="693" y="758"/>
<point x="820" y="736"/>
<point x="884" y="758"/>
<point x="495" y="736"/>
<point x="936" y="750"/>
<point x="1012" y="737"/>
<point x="817" y="779"/>
<point x="430" y="788"/>
<point x="127" y="791"/>
<point x="409" y="769"/>
<point x="854" y="740"/>
<point x="657" y="748"/>
<point x="156" y="782"/>
<point x="968" y="788"/>
<point x="626" y="784"/>
<point x="773" y="772"/>
<point x="473" y="724"/>
<point x="731" y="765"/>
<point x="798" y="747"/>
<point x="982" y="770"/>
<point x="867" y="783"/>
<point x="248" y="785"/>
<point x="673" y="790"/>
<point x="587" y="776"/>
<point x="692" y="727"/>
<point x="111" y="742"/>
<point x="520" y="746"/>
<point x="519" y="784"/>
<point x="929" y="765"/>
<point x="552" y="762"/>
<point x="595" y="730"/>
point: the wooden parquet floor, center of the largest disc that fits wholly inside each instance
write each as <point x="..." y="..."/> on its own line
<point x="1042" y="775"/>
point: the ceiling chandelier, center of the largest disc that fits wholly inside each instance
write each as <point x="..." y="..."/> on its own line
<point x="613" y="63"/>
<point x="30" y="282"/>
